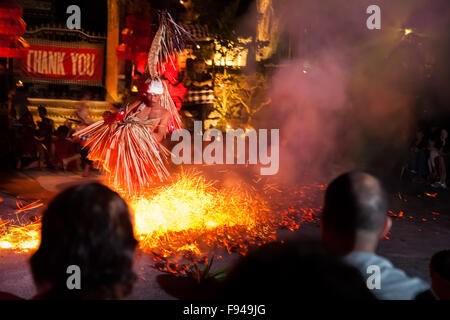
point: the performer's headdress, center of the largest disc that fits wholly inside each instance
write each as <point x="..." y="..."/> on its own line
<point x="169" y="41"/>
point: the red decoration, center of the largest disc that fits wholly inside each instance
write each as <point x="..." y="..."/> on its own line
<point x="120" y="115"/>
<point x="52" y="62"/>
<point x="174" y="85"/>
<point x="11" y="27"/>
<point x="137" y="40"/>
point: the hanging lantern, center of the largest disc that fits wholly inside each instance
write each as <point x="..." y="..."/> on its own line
<point x="12" y="45"/>
<point x="136" y="39"/>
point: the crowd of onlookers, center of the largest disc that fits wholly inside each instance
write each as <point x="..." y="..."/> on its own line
<point x="29" y="144"/>
<point x="89" y="226"/>
<point x="430" y="156"/>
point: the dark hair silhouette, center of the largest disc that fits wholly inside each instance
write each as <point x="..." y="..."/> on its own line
<point x="440" y="263"/>
<point x="355" y="201"/>
<point x="62" y="131"/>
<point x="88" y="226"/>
<point x="43" y="110"/>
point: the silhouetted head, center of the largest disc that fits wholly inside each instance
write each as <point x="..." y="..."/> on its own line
<point x="354" y="216"/>
<point x="199" y="66"/>
<point x="42" y="111"/>
<point x="440" y="274"/>
<point x="62" y="132"/>
<point x="89" y="227"/>
<point x="295" y="272"/>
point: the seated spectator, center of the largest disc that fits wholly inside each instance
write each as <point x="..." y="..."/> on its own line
<point x="442" y="159"/>
<point x="294" y="272"/>
<point x="65" y="154"/>
<point x="354" y="218"/>
<point x="88" y="226"/>
<point x="440" y="274"/>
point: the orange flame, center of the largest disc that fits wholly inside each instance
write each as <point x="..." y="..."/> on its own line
<point x="191" y="214"/>
<point x="189" y="217"/>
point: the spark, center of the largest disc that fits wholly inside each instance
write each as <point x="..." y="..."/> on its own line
<point x="407" y="31"/>
<point x="33" y="205"/>
<point x="20" y="238"/>
<point x="431" y="195"/>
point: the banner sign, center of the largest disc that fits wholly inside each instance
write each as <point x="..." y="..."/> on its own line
<point x="51" y="62"/>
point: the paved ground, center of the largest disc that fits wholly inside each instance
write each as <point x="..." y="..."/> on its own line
<point x="422" y="229"/>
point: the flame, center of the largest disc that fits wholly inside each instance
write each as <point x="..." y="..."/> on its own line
<point x="190" y="217"/>
<point x="192" y="214"/>
<point x="20" y="238"/>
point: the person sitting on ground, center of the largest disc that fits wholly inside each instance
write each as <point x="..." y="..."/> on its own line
<point x="271" y="270"/>
<point x="87" y="226"/>
<point x="442" y="160"/>
<point x="65" y="155"/>
<point x="354" y="218"/>
<point x="440" y="274"/>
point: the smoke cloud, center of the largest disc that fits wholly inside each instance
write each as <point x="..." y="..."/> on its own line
<point x="348" y="97"/>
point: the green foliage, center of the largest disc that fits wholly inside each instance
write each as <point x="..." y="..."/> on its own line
<point x="239" y="98"/>
<point x="200" y="275"/>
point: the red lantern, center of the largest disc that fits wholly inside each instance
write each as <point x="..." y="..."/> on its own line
<point x="11" y="27"/>
<point x="136" y="39"/>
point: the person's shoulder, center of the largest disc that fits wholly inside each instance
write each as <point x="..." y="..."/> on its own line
<point x="366" y="258"/>
<point x="395" y="283"/>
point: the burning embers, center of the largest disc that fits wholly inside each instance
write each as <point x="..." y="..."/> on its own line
<point x="21" y="234"/>
<point x="188" y="218"/>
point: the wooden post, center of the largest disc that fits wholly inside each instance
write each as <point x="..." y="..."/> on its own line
<point x="112" y="42"/>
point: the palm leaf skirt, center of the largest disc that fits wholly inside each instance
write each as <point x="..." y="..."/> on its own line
<point x="129" y="154"/>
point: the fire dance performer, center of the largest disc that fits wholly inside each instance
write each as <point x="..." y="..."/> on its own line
<point x="128" y="143"/>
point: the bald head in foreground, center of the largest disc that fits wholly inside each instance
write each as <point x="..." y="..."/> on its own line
<point x="355" y="213"/>
<point x="354" y="219"/>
